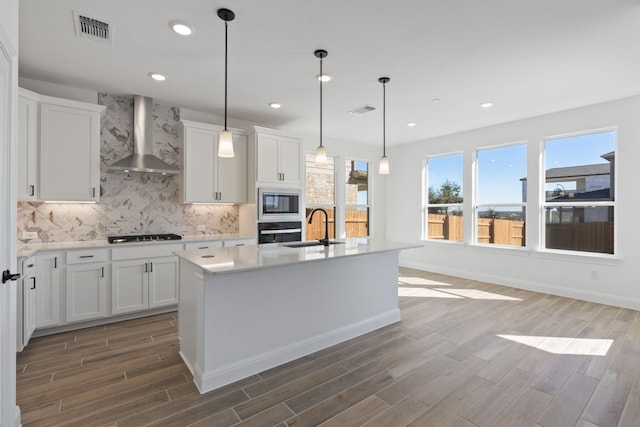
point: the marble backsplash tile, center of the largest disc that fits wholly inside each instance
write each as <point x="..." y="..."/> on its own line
<point x="129" y="203"/>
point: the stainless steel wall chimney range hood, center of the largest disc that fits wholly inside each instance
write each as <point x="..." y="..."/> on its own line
<point x="142" y="160"/>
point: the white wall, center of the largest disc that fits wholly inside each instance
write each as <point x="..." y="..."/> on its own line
<point x="568" y="275"/>
<point x="347" y="150"/>
<point x="9" y="20"/>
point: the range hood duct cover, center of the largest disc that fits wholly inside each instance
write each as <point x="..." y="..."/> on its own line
<point x="142" y="160"/>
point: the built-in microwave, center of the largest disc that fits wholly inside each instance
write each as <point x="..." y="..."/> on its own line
<point x="278" y="204"/>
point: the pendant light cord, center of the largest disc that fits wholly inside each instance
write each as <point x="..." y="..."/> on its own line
<point x="384" y="119"/>
<point x="226" y="27"/>
<point x="321" y="101"/>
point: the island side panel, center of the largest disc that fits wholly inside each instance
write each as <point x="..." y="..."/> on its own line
<point x="190" y="314"/>
<point x="256" y="320"/>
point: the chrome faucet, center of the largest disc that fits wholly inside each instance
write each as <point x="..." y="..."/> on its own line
<point x="324" y="241"/>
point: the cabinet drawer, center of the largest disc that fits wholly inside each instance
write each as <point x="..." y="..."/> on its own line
<point x="145" y="251"/>
<point x="29" y="267"/>
<point x="240" y="242"/>
<point x="203" y="245"/>
<point x="88" y="255"/>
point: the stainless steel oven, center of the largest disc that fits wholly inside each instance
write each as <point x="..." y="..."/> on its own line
<point x="279" y="204"/>
<point x="280" y="231"/>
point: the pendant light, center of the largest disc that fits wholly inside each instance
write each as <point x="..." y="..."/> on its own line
<point x="225" y="139"/>
<point x="384" y="162"/>
<point x="321" y="151"/>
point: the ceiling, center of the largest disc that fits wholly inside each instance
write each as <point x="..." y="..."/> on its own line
<point x="528" y="57"/>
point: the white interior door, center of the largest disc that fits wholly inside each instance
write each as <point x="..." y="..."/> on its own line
<point x="9" y="416"/>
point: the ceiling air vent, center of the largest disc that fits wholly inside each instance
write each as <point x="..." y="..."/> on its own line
<point x="93" y="28"/>
<point x="362" y="110"/>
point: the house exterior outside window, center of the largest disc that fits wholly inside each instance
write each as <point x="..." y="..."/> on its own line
<point x="356" y="198"/>
<point x="320" y="193"/>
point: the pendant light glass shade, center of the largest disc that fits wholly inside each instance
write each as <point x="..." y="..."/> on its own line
<point x="225" y="139"/>
<point x="321" y="156"/>
<point x="225" y="144"/>
<point x="384" y="161"/>
<point x="384" y="166"/>
<point x="321" y="151"/>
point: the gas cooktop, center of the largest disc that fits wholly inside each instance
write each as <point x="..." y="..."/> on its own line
<point x="143" y="238"/>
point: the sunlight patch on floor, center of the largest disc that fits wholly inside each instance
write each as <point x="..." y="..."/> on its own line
<point x="420" y="281"/>
<point x="478" y="294"/>
<point x="564" y="345"/>
<point x="423" y="293"/>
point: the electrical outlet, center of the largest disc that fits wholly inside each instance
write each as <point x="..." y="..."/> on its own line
<point x="29" y="235"/>
<point x="201" y="227"/>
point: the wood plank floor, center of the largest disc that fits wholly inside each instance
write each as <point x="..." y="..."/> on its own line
<point x="466" y="354"/>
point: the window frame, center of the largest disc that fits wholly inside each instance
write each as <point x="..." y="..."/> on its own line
<point x="345" y="205"/>
<point x="425" y="198"/>
<point x="476" y="207"/>
<point x="544" y="204"/>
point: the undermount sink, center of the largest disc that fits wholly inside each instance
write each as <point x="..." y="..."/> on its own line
<point x="308" y="243"/>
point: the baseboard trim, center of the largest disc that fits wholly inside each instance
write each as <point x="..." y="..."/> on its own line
<point x="211" y="380"/>
<point x="584" y="295"/>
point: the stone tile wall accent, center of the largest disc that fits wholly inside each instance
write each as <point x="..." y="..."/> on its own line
<point x="129" y="203"/>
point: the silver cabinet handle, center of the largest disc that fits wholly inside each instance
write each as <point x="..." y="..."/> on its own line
<point x="101" y="271"/>
<point x="33" y="285"/>
<point x="146" y="267"/>
<point x="86" y="256"/>
<point x="55" y="262"/>
<point x="150" y="267"/>
<point x="32" y="190"/>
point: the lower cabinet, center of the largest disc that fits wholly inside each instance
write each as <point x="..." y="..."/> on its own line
<point x="26" y="319"/>
<point x="141" y="284"/>
<point x="49" y="269"/>
<point x="86" y="292"/>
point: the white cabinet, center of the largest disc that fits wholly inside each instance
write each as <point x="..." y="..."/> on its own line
<point x="86" y="285"/>
<point x="209" y="244"/>
<point x="140" y="281"/>
<point x="27" y="145"/>
<point x="49" y="268"/>
<point x="69" y="150"/>
<point x="207" y="178"/>
<point x="278" y="158"/>
<point x="240" y="242"/>
<point x="26" y="303"/>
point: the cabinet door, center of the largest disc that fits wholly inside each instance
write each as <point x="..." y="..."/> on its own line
<point x="69" y="153"/>
<point x="49" y="278"/>
<point x="27" y="148"/>
<point x="232" y="173"/>
<point x="86" y="292"/>
<point x="198" y="167"/>
<point x="289" y="159"/>
<point x="29" y="308"/>
<point x="267" y="153"/>
<point x="163" y="281"/>
<point x="129" y="286"/>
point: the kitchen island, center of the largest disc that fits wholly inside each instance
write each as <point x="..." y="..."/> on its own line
<point x="247" y="309"/>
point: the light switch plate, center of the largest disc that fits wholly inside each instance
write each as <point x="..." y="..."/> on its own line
<point x="29" y="235"/>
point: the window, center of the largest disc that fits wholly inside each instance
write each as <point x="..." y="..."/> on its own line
<point x="442" y="214"/>
<point x="501" y="195"/>
<point x="579" y="192"/>
<point x="320" y="193"/>
<point x="356" y="199"/>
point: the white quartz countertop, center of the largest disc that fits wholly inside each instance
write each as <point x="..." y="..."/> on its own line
<point x="28" y="249"/>
<point x="244" y="258"/>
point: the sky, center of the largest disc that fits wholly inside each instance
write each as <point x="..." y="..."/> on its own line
<point x="500" y="169"/>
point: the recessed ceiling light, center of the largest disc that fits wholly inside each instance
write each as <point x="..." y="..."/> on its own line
<point x="435" y="100"/>
<point x="323" y="77"/>
<point x="158" y="77"/>
<point x="275" y="105"/>
<point x="181" y="28"/>
<point x="486" y="104"/>
<point x="411" y="124"/>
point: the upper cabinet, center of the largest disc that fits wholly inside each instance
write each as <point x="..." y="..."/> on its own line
<point x="69" y="150"/>
<point x="275" y="157"/>
<point x="58" y="149"/>
<point x="207" y="178"/>
<point x="28" y="118"/>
